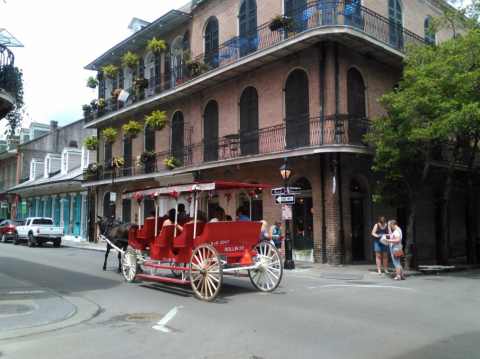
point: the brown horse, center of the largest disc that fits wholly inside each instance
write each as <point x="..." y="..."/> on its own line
<point x="117" y="233"/>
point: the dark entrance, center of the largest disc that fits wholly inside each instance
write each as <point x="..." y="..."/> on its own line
<point x="358" y="251"/>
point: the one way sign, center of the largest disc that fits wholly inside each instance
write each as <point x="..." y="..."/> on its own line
<point x="285" y="199"/>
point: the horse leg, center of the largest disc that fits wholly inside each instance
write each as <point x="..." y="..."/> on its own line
<point x="106" y="256"/>
<point x="119" y="262"/>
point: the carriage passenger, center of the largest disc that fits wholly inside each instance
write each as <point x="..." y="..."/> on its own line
<point x="170" y="218"/>
<point x="201" y="217"/>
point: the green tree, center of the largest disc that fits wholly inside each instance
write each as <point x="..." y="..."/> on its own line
<point x="435" y="108"/>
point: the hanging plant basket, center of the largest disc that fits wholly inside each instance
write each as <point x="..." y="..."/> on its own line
<point x="110" y="135"/>
<point x="110" y="71"/>
<point x="91" y="143"/>
<point x="130" y="60"/>
<point x="278" y="23"/>
<point x="156" y="46"/>
<point x="132" y="129"/>
<point x="157" y="120"/>
<point x="147" y="156"/>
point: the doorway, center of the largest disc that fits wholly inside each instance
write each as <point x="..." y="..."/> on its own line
<point x="358" y="251"/>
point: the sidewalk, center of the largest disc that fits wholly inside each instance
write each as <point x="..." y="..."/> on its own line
<point x="367" y="270"/>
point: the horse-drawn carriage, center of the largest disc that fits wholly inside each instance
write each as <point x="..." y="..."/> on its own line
<point x="203" y="252"/>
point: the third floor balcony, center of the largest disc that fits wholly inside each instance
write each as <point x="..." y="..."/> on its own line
<point x="348" y="23"/>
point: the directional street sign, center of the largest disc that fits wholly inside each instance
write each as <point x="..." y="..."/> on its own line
<point x="293" y="190"/>
<point x="280" y="190"/>
<point x="285" y="199"/>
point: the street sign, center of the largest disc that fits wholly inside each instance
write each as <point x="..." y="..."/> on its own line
<point x="285" y="199"/>
<point x="276" y="191"/>
<point x="113" y="196"/>
<point x="286" y="211"/>
<point x="294" y="190"/>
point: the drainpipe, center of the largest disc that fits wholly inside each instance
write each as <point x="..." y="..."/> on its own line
<point x="324" y="227"/>
<point x="340" y="206"/>
<point x="337" y="90"/>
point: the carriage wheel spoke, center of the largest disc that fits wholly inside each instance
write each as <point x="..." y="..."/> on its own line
<point x="266" y="277"/>
<point x="205" y="272"/>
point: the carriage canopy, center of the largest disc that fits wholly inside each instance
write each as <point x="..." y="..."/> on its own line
<point x="183" y="188"/>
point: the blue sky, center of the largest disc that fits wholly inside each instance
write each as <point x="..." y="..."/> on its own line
<point x="60" y="38"/>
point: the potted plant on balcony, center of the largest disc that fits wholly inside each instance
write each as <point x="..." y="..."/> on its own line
<point x="93" y="105"/>
<point x="156" y="46"/>
<point x="101" y="103"/>
<point x="94" y="167"/>
<point x="130" y="60"/>
<point x="91" y="143"/>
<point x="204" y="67"/>
<point x="279" y="21"/>
<point x="92" y="82"/>
<point x="115" y="93"/>
<point x="145" y="156"/>
<point x="110" y="71"/>
<point x="132" y="129"/>
<point x="157" y="120"/>
<point x="115" y="163"/>
<point x="110" y="135"/>
<point x="87" y="110"/>
<point x="139" y="84"/>
<point x="192" y="64"/>
<point x="172" y="162"/>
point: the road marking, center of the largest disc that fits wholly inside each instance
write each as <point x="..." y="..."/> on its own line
<point x="161" y="324"/>
<point x="31" y="292"/>
<point x="364" y="286"/>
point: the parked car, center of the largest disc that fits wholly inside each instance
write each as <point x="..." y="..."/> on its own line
<point x="7" y="228"/>
<point x="38" y="230"/>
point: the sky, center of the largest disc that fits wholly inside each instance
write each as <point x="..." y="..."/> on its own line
<point x="60" y="38"/>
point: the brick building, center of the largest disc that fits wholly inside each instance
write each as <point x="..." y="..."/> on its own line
<point x="241" y="93"/>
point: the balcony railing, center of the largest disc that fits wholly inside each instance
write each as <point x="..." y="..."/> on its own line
<point x="7" y="74"/>
<point x="314" y="132"/>
<point x="314" y="15"/>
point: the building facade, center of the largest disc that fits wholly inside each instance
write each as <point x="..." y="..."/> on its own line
<point x="242" y="92"/>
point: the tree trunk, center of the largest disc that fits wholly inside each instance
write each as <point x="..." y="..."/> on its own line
<point x="410" y="244"/>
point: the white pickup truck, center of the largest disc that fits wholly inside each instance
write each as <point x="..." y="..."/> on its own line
<point x="38" y="230"/>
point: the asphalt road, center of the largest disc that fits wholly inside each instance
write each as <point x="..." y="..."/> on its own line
<point x="306" y="317"/>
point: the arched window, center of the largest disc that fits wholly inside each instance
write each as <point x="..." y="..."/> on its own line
<point x="355" y="93"/>
<point x="247" y="21"/>
<point x="150" y="74"/>
<point x="429" y="35"/>
<point x="292" y="5"/>
<point x="249" y="122"/>
<point x="211" y="43"/>
<point x="356" y="126"/>
<point x="297" y="110"/>
<point x="395" y="30"/>
<point x="178" y="142"/>
<point x="210" y="132"/>
<point x="127" y="156"/>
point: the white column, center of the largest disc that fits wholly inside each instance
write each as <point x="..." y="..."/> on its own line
<point x="62" y="196"/>
<point x="72" y="198"/>
<point x="83" y="214"/>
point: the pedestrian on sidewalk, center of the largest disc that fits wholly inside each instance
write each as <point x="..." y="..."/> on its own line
<point x="381" y="250"/>
<point x="276" y="234"/>
<point x="395" y="245"/>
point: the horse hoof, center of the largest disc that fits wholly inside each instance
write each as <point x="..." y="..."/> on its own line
<point x="104" y="268"/>
<point x="119" y="270"/>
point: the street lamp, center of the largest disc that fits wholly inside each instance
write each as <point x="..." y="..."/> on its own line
<point x="285" y="172"/>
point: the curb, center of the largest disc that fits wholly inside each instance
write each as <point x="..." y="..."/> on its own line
<point x="85" y="310"/>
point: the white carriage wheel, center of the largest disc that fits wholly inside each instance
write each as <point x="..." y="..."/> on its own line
<point x="206" y="272"/>
<point x="129" y="265"/>
<point x="176" y="272"/>
<point x="268" y="267"/>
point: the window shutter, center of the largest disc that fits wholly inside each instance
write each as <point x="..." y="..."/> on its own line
<point x="120" y="79"/>
<point x="355" y="94"/>
<point x="210" y="130"/>
<point x="141" y="68"/>
<point x="107" y="151"/>
<point x="149" y="139"/>
<point x="167" y="65"/>
<point x="127" y="156"/>
<point x="297" y="110"/>
<point x="211" y="42"/>
<point x="101" y="89"/>
<point x="126" y="210"/>
<point x="157" y="65"/>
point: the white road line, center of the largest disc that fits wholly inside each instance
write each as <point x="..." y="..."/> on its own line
<point x="364" y="286"/>
<point x="161" y="324"/>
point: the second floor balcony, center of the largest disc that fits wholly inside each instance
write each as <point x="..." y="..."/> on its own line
<point x="346" y="22"/>
<point x="314" y="133"/>
<point x="7" y="81"/>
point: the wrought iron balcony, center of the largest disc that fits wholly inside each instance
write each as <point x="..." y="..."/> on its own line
<point x="315" y="15"/>
<point x="7" y="81"/>
<point x="313" y="133"/>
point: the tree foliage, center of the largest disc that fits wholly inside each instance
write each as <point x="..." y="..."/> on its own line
<point x="434" y="114"/>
